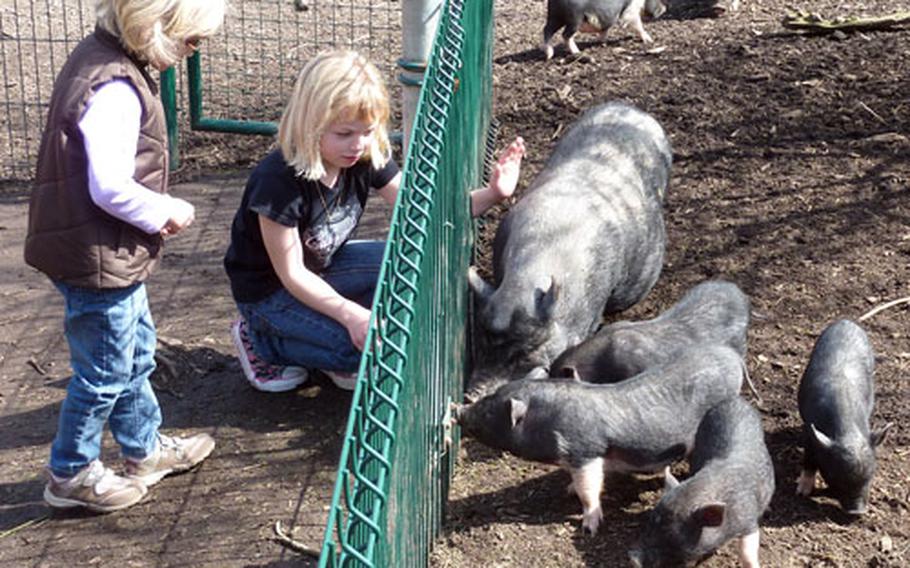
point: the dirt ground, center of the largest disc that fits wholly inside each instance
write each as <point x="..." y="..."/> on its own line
<point x="791" y="175"/>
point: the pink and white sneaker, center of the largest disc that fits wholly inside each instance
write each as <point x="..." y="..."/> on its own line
<point x="345" y="381"/>
<point x="263" y="375"/>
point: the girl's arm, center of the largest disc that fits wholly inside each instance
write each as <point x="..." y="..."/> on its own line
<point x="503" y="180"/>
<point x="286" y="254"/>
<point x="110" y="130"/>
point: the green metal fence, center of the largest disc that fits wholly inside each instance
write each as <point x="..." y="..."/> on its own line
<point x="396" y="463"/>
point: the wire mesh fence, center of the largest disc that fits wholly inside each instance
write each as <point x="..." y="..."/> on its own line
<point x="248" y="69"/>
<point x="397" y="460"/>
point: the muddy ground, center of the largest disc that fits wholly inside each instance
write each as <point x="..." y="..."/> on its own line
<point x="791" y="175"/>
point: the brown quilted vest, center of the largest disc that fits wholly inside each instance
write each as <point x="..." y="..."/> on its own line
<point x="70" y="238"/>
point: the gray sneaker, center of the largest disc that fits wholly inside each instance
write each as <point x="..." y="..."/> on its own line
<point x="96" y="488"/>
<point x="173" y="455"/>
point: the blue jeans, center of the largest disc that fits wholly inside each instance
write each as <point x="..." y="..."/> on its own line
<point x="112" y="340"/>
<point x="284" y="331"/>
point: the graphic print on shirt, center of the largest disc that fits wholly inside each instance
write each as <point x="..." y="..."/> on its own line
<point x="332" y="221"/>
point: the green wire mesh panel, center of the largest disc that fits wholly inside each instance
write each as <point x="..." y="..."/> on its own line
<point x="35" y="39"/>
<point x="396" y="461"/>
<point x="247" y="70"/>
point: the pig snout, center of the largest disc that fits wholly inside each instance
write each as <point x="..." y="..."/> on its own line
<point x="856" y="508"/>
<point x="458" y="412"/>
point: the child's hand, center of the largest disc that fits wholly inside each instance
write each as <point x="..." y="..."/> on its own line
<point x="357" y="322"/>
<point x="182" y="216"/>
<point x="504" y="178"/>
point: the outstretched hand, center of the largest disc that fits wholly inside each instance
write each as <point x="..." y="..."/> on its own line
<point x="504" y="178"/>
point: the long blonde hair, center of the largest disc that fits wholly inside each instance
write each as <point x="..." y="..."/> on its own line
<point x="336" y="85"/>
<point x="156" y="30"/>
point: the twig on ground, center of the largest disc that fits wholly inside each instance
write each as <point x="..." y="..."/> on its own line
<point x="294" y="545"/>
<point x="883" y="307"/>
<point x="802" y="20"/>
<point x="36" y="366"/>
<point x="866" y="108"/>
<point x="37" y="522"/>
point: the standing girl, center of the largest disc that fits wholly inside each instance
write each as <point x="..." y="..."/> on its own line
<point x="97" y="217"/>
<point x="303" y="288"/>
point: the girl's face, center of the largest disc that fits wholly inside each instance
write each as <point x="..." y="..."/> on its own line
<point x="344" y="142"/>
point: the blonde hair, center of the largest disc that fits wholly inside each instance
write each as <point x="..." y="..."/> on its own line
<point x="156" y="30"/>
<point x="336" y="85"/>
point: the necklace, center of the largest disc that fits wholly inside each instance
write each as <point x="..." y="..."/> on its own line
<point x="325" y="206"/>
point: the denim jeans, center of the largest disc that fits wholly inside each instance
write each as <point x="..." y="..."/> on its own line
<point x="112" y="340"/>
<point x="284" y="331"/>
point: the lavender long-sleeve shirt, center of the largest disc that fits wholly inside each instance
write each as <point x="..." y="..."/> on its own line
<point x="110" y="127"/>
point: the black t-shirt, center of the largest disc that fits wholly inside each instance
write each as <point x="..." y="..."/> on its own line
<point x="326" y="218"/>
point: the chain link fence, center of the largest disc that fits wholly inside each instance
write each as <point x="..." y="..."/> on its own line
<point x="248" y="69"/>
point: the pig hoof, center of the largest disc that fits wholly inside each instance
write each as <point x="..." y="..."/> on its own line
<point x="591" y="521"/>
<point x="717" y="10"/>
<point x="547" y="52"/>
<point x="805" y="484"/>
<point x="646" y="37"/>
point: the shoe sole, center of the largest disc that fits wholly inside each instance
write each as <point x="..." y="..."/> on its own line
<point x="271" y="386"/>
<point x="64" y="503"/>
<point x="348" y="385"/>
<point x="153" y="478"/>
<point x="343" y="384"/>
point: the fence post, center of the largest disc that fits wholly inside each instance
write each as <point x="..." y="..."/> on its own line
<point x="169" y="101"/>
<point x="419" y="19"/>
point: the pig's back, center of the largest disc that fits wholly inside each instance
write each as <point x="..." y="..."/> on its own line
<point x="712" y="312"/>
<point x="837" y="383"/>
<point x="601" y="193"/>
<point x="666" y="403"/>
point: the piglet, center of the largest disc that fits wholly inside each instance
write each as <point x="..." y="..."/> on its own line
<point x="836" y="399"/>
<point x="714" y="311"/>
<point x="641" y="424"/>
<point x="730" y="487"/>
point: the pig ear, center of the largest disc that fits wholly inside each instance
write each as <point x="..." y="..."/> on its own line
<point x="820" y="437"/>
<point x="710" y="515"/>
<point x="569" y="372"/>
<point x="878" y="436"/>
<point x="670" y="480"/>
<point x="518" y="410"/>
<point x="537" y="373"/>
<point x="545" y="301"/>
<point x="480" y="287"/>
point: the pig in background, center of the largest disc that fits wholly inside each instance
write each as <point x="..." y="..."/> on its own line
<point x="836" y="400"/>
<point x="641" y="424"/>
<point x="572" y="16"/>
<point x="587" y="236"/>
<point x="730" y="486"/>
<point x="714" y="311"/>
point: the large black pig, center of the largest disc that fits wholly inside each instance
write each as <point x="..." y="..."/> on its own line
<point x="836" y="399"/>
<point x="586" y="237"/>
<point x="641" y="424"/>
